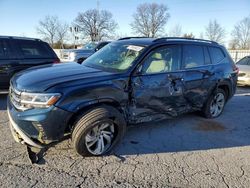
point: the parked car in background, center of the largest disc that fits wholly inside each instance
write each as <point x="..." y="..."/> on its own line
<point x="79" y="55"/>
<point x="130" y="81"/>
<point x="244" y="71"/>
<point x="19" y="53"/>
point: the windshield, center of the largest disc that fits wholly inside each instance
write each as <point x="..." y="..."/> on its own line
<point x="114" y="57"/>
<point x="89" y="46"/>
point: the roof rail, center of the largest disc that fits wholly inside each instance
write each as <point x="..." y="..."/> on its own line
<point x="184" y="38"/>
<point x="125" y="38"/>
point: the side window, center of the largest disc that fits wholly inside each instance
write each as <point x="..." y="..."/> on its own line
<point x="244" y="61"/>
<point x="4" y="50"/>
<point x="216" y="54"/>
<point x="163" y="59"/>
<point x="33" y="49"/>
<point x="207" y="57"/>
<point x="193" y="56"/>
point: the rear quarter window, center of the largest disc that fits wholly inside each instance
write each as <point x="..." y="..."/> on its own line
<point x="34" y="49"/>
<point x="193" y="56"/>
<point x="217" y="55"/>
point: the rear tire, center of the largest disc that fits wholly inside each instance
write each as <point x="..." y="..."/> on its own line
<point x="215" y="104"/>
<point x="98" y="131"/>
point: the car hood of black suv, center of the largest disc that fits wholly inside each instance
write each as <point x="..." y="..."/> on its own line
<point x="42" y="78"/>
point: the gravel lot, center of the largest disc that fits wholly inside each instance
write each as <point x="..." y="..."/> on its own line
<point x="186" y="152"/>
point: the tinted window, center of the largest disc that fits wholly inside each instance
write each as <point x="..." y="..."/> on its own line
<point x="207" y="57"/>
<point x="164" y="59"/>
<point x="216" y="54"/>
<point x="34" y="49"/>
<point x="4" y="50"/>
<point x="193" y="56"/>
<point x="244" y="61"/>
<point x="99" y="46"/>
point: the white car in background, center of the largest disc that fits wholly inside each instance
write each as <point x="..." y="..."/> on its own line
<point x="244" y="71"/>
<point x="79" y="55"/>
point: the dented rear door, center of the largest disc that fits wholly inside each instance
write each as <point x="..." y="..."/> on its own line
<point x="199" y="75"/>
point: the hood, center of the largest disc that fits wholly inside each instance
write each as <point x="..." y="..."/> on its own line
<point x="244" y="68"/>
<point x="41" y="78"/>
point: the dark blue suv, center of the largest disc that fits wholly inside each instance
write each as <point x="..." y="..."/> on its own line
<point x="129" y="81"/>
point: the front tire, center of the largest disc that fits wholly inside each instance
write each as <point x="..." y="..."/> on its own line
<point x="98" y="131"/>
<point x="215" y="104"/>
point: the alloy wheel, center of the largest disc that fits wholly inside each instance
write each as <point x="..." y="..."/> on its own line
<point x="99" y="139"/>
<point x="217" y="104"/>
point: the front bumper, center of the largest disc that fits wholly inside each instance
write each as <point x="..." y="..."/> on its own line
<point x="37" y="127"/>
<point x="19" y="136"/>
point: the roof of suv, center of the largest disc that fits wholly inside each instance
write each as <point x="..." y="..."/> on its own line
<point x="150" y="41"/>
<point x="20" y="38"/>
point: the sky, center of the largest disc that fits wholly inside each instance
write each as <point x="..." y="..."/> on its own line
<point x="21" y="17"/>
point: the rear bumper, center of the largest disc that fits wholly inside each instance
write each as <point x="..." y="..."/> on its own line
<point x="37" y="127"/>
<point x="243" y="81"/>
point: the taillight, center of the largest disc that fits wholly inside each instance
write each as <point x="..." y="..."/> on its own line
<point x="56" y="61"/>
<point x="235" y="68"/>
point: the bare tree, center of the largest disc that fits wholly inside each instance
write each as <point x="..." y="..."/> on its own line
<point x="176" y="31"/>
<point x="188" y="35"/>
<point x="52" y="30"/>
<point x="62" y="33"/>
<point x="96" y="24"/>
<point x="233" y="44"/>
<point x="214" y="31"/>
<point x="241" y="34"/>
<point x="150" y="19"/>
<point x="201" y="36"/>
<point x="47" y="28"/>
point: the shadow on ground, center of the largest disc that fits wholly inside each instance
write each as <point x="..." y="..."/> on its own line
<point x="191" y="132"/>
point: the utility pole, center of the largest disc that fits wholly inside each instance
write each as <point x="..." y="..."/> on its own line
<point x="74" y="30"/>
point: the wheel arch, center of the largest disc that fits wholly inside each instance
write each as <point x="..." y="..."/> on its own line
<point x="93" y="104"/>
<point x="225" y="86"/>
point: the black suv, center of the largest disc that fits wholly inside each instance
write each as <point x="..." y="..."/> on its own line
<point x="129" y="81"/>
<point x="19" y="53"/>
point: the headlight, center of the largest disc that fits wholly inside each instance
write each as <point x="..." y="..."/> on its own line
<point x="72" y="56"/>
<point x="38" y="100"/>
